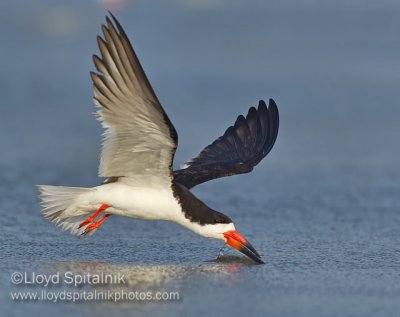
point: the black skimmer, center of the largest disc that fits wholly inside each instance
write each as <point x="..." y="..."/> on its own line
<point x="138" y="151"/>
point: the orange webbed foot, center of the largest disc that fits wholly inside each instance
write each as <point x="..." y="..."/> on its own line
<point x="95" y="225"/>
<point x="93" y="217"/>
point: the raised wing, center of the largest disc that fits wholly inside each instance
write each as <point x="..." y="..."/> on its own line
<point x="139" y="138"/>
<point x="242" y="147"/>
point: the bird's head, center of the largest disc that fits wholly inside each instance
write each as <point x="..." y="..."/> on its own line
<point x="201" y="219"/>
<point x="221" y="227"/>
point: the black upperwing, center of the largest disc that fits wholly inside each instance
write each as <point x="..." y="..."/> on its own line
<point x="242" y="147"/>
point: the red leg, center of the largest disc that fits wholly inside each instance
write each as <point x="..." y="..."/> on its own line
<point x="95" y="225"/>
<point x="93" y="217"/>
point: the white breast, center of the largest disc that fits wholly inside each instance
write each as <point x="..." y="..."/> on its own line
<point x="139" y="202"/>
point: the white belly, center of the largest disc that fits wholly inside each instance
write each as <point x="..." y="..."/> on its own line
<point x="138" y="202"/>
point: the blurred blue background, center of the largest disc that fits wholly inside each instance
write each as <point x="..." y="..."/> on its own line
<point x="323" y="207"/>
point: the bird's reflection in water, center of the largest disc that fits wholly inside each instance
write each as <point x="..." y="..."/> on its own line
<point x="155" y="277"/>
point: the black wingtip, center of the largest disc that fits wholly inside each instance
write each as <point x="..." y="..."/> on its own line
<point x="240" y="120"/>
<point x="104" y="29"/>
<point x="99" y="40"/>
<point x="262" y="107"/>
<point x="116" y="22"/>
<point x="110" y="13"/>
<point x="272" y="103"/>
<point x="273" y="109"/>
<point x="252" y="114"/>
<point x="108" y="20"/>
<point x="92" y="75"/>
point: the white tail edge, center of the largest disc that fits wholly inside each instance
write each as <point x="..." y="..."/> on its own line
<point x="60" y="206"/>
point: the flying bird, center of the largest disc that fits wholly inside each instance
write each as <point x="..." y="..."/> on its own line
<point x="138" y="150"/>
